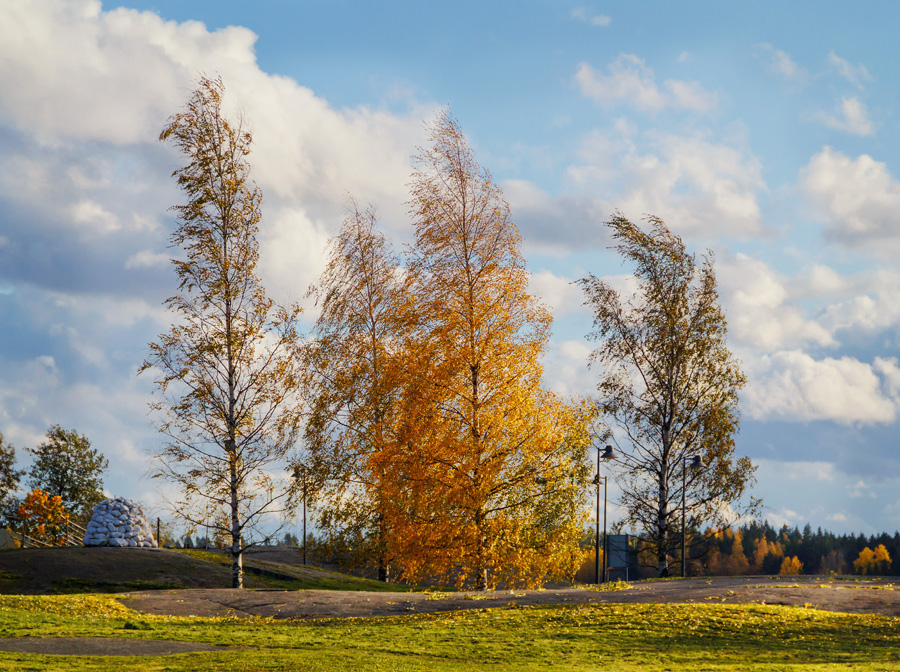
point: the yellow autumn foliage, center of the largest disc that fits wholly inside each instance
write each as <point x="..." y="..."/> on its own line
<point x="791" y="566"/>
<point x="870" y="561"/>
<point x="436" y="449"/>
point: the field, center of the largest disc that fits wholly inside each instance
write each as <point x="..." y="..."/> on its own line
<point x="587" y="637"/>
<point x="595" y="635"/>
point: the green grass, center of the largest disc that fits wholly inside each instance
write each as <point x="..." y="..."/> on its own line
<point x="322" y="579"/>
<point x="598" y="637"/>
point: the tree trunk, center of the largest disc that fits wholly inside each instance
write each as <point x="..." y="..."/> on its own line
<point x="481" y="569"/>
<point x="237" y="557"/>
<point x="384" y="571"/>
<point x="662" y="524"/>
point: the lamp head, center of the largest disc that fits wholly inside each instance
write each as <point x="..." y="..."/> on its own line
<point x="696" y="463"/>
<point x="609" y="454"/>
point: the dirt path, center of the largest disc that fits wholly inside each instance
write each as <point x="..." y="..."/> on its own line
<point x="873" y="596"/>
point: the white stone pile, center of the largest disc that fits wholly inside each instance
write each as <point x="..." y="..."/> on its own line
<point x="119" y="522"/>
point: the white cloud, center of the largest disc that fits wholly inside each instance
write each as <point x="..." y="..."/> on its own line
<point x="566" y="369"/>
<point x="859" y="198"/>
<point x="632" y="83"/>
<point x="781" y="63"/>
<point x="698" y="186"/>
<point x="77" y="156"/>
<point x="147" y="259"/>
<point x="857" y="75"/>
<point x="782" y="517"/>
<point x="818" y="282"/>
<point x="860" y="489"/>
<point x="559" y="293"/>
<point x="586" y="16"/>
<point x="790" y="385"/>
<point x="853" y="117"/>
<point x="94" y="217"/>
<point x="873" y="307"/>
<point x="69" y="69"/>
<point x="761" y="311"/>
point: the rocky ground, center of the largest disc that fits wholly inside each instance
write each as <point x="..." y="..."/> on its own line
<point x="850" y="596"/>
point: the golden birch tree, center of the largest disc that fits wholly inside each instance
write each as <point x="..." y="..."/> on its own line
<point x="489" y="485"/>
<point x="352" y="386"/>
<point x="669" y="385"/>
<point x="226" y="370"/>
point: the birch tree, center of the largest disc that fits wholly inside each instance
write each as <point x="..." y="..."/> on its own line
<point x="226" y="370"/>
<point x="670" y="385"/>
<point x="493" y="465"/>
<point x="353" y="384"/>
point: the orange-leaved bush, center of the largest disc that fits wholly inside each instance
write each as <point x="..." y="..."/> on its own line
<point x="43" y="517"/>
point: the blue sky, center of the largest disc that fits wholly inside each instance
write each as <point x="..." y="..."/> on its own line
<point x="766" y="133"/>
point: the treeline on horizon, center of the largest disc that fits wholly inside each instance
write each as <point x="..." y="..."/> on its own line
<point x="760" y="548"/>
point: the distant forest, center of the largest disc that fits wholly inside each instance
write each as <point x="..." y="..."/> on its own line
<point x="759" y="548"/>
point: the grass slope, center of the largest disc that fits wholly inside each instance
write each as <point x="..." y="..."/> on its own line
<point x="112" y="570"/>
<point x="286" y="576"/>
<point x="643" y="637"/>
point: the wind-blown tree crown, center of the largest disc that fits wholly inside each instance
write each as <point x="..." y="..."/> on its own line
<point x="670" y="385"/>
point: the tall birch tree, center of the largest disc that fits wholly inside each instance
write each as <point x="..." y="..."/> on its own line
<point x="493" y="466"/>
<point x="669" y="385"/>
<point x="353" y="382"/>
<point x="226" y="370"/>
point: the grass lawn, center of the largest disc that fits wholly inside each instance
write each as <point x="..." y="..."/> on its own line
<point x="322" y="580"/>
<point x="600" y="637"/>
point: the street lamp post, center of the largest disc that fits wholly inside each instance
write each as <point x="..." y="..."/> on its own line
<point x="607" y="454"/>
<point x="696" y="465"/>
<point x="304" y="518"/>
<point x="300" y="474"/>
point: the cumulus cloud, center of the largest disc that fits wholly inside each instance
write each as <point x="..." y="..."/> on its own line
<point x="698" y="186"/>
<point x="88" y="187"/>
<point x="860" y="489"/>
<point x="630" y="82"/>
<point x="857" y="75"/>
<point x="859" y="199"/>
<point x="585" y="15"/>
<point x="872" y="308"/>
<point x="780" y="63"/>
<point x="554" y="225"/>
<point x="791" y="385"/>
<point x="762" y="312"/>
<point x="69" y="69"/>
<point x="557" y="292"/>
<point x="566" y="369"/>
<point x="852" y="117"/>
<point x="85" y="190"/>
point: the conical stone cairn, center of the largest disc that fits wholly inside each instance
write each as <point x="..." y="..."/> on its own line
<point x="119" y="522"/>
